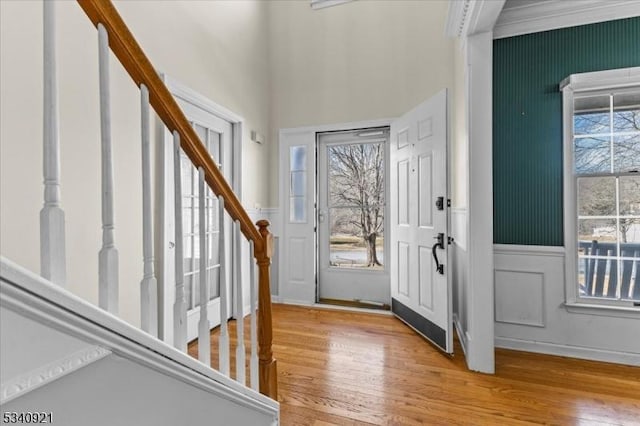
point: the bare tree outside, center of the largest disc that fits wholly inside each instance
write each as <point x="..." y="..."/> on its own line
<point x="608" y="142"/>
<point x="356" y="198"/>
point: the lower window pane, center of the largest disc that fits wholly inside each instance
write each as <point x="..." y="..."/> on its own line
<point x="598" y="277"/>
<point x="598" y="237"/>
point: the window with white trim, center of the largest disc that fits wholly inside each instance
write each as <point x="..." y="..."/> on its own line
<point x="602" y="187"/>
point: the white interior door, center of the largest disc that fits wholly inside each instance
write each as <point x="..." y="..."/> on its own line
<point x="217" y="135"/>
<point x="352" y="215"/>
<point x="420" y="278"/>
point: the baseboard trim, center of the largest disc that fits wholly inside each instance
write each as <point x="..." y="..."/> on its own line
<point x="581" y="352"/>
<point x="25" y="383"/>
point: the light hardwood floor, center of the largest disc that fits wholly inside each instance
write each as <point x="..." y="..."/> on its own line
<point x="345" y="368"/>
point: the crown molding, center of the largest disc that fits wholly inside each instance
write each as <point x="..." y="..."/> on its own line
<point x="468" y="17"/>
<point x="457" y="18"/>
<point x="526" y="17"/>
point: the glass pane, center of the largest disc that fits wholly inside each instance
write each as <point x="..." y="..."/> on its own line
<point x="630" y="195"/>
<point x="187" y="255"/>
<point x="213" y="223"/>
<point x="626" y="112"/>
<point x="356" y="238"/>
<point x="298" y="158"/>
<point x="213" y="145"/>
<point x="626" y="153"/>
<point x="598" y="237"/>
<point x="214" y="249"/>
<point x="297" y="209"/>
<point x="188" y="288"/>
<point x="591" y="115"/>
<point x="298" y="184"/>
<point x="598" y="277"/>
<point x="356" y="174"/>
<point x="214" y="286"/>
<point x="187" y="171"/>
<point x="201" y="131"/>
<point x="196" y="290"/>
<point x="596" y="196"/>
<point x="592" y="155"/>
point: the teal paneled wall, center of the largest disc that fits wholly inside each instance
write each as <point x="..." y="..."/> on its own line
<point x="527" y="120"/>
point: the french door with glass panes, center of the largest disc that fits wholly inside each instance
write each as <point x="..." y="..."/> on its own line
<point x="216" y="134"/>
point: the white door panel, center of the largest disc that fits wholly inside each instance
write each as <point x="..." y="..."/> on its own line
<point x="421" y="294"/>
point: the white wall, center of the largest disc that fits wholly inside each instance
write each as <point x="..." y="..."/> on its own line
<point x="217" y="48"/>
<point x="358" y="61"/>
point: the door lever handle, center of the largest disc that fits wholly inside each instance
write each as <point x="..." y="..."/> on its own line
<point x="438" y="245"/>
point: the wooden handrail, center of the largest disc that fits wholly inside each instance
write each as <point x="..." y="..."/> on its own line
<point x="135" y="62"/>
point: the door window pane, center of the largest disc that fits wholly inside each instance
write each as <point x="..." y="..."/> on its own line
<point x="356" y="187"/>
<point x="348" y="246"/>
<point x="298" y="184"/>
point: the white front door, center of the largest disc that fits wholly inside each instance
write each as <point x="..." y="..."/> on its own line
<point x="419" y="194"/>
<point x="352" y="215"/>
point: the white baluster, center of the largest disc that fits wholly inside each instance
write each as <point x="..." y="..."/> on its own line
<point x="204" y="336"/>
<point x="52" y="235"/>
<point x="149" y="284"/>
<point x="223" y="340"/>
<point x="253" y="361"/>
<point x="240" y="357"/>
<point x="108" y="258"/>
<point x="179" y="306"/>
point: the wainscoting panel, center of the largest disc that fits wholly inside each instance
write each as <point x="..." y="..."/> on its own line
<point x="519" y="297"/>
<point x="531" y="315"/>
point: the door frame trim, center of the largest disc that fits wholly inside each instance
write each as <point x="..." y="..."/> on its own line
<point x="189" y="95"/>
<point x="295" y="298"/>
<point x="474" y="28"/>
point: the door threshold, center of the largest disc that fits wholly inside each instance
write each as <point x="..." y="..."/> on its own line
<point x="356" y="304"/>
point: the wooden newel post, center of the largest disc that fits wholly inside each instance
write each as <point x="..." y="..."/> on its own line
<point x="267" y="364"/>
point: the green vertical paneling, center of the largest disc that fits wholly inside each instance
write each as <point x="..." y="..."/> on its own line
<point x="527" y="120"/>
